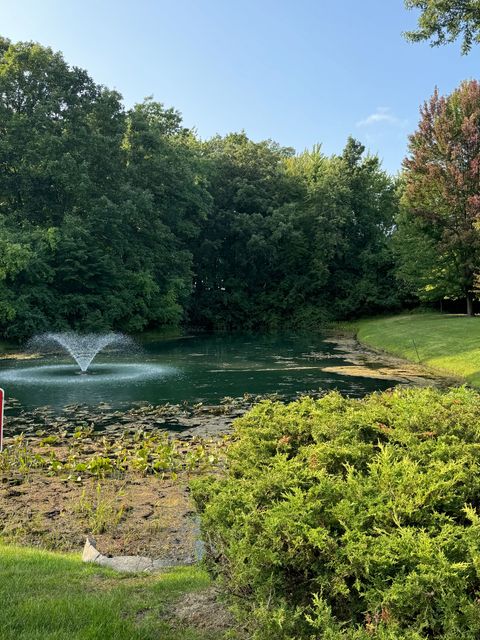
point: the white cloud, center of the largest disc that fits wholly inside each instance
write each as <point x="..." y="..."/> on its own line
<point x="382" y="115"/>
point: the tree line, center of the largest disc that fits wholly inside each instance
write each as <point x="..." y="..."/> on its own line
<point x="124" y="218"/>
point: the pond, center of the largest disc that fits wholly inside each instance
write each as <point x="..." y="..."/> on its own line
<point x="187" y="369"/>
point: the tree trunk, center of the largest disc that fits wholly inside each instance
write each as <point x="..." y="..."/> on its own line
<point x="470" y="311"/>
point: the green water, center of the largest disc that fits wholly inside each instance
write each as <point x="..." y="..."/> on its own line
<point x="192" y="369"/>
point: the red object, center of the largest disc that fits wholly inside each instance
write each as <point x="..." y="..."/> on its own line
<point x="2" y="397"/>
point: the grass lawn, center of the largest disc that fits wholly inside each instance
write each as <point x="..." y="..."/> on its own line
<point x="450" y="343"/>
<point x="51" y="596"/>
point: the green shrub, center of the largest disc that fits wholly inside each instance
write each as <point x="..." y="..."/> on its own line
<point x="352" y="519"/>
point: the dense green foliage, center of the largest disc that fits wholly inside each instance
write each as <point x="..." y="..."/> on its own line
<point x="352" y="519"/>
<point x="443" y="21"/>
<point x="85" y="242"/>
<point x="124" y="219"/>
<point x="290" y="236"/>
<point x="438" y="237"/>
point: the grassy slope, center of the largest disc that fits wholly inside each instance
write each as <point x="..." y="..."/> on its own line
<point x="450" y="343"/>
<point x="51" y="596"/>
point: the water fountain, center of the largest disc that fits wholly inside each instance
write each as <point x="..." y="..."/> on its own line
<point x="81" y="347"/>
<point x="103" y="367"/>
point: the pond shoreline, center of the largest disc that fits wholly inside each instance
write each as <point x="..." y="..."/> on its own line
<point x="210" y="419"/>
<point x="364" y="360"/>
<point x="448" y="344"/>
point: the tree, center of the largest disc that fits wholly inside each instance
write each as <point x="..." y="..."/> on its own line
<point x="444" y="21"/>
<point x="362" y="279"/>
<point x="292" y="240"/>
<point x="115" y="191"/>
<point x="164" y="163"/>
<point x="438" y="238"/>
<point x="346" y="218"/>
<point x="235" y="256"/>
<point x="61" y="163"/>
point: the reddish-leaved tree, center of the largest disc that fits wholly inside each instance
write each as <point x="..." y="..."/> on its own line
<point x="442" y="197"/>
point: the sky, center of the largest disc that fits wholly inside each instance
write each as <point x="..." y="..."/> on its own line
<point x="299" y="72"/>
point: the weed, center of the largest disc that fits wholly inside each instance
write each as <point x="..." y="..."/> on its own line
<point x="101" y="512"/>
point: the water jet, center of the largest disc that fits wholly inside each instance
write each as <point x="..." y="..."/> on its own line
<point x="83" y="348"/>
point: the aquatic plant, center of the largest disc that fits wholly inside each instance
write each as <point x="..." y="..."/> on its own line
<point x="103" y="456"/>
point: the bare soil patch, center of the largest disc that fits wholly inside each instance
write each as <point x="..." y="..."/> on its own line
<point x="135" y="515"/>
<point x="202" y="610"/>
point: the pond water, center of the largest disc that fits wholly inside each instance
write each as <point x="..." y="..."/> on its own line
<point x="191" y="368"/>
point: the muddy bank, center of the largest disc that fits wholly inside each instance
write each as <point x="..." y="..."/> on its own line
<point x="362" y="361"/>
<point x="130" y="516"/>
<point x="130" y="491"/>
<point x="187" y="421"/>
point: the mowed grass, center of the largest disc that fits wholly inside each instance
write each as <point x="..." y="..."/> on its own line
<point x="448" y="343"/>
<point x="50" y="596"/>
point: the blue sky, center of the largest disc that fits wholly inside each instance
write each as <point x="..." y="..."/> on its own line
<point x="297" y="71"/>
